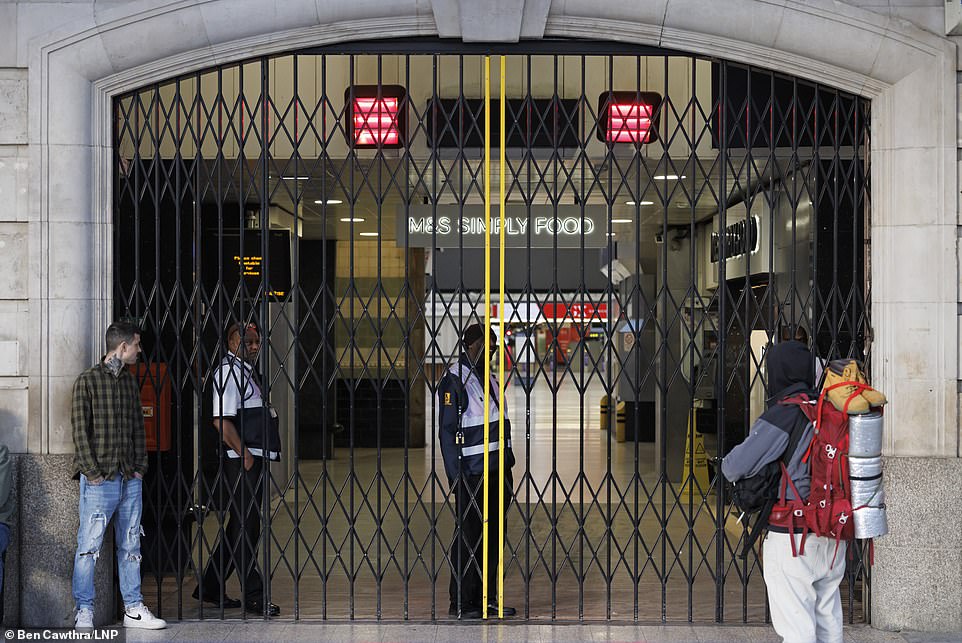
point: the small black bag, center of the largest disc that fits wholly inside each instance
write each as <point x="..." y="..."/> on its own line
<point x="759" y="493"/>
<point x="258" y="427"/>
<point x="752" y="495"/>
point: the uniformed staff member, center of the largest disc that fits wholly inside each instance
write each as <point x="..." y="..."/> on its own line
<point x="248" y="427"/>
<point x="461" y="400"/>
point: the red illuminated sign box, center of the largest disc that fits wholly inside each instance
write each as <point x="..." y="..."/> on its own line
<point x="377" y="117"/>
<point x="628" y="117"/>
<point x="584" y="312"/>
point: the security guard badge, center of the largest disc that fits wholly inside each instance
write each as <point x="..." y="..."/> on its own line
<point x="447" y="398"/>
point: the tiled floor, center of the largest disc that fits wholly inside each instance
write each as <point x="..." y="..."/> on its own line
<point x="519" y="633"/>
<point x="360" y="518"/>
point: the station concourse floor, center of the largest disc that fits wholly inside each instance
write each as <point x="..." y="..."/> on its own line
<point x="563" y="477"/>
<point x="240" y="632"/>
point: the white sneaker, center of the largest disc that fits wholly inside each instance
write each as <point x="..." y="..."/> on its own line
<point x="84" y="620"/>
<point x="140" y="617"/>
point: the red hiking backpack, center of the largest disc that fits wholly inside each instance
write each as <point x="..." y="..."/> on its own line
<point x="828" y="510"/>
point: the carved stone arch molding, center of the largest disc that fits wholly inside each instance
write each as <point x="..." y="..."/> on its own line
<point x="908" y="73"/>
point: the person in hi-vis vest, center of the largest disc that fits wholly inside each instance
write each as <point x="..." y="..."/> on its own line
<point x="461" y="403"/>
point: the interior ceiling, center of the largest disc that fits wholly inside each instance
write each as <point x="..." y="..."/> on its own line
<point x="372" y="186"/>
<point x="212" y="130"/>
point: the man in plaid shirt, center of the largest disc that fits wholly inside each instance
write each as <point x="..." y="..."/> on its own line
<point x="110" y="461"/>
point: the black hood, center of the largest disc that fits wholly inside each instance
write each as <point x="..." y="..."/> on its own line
<point x="789" y="364"/>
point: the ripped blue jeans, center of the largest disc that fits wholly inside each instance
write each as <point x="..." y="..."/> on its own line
<point x="121" y="500"/>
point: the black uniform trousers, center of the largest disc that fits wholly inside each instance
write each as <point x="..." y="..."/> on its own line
<point x="467" y="550"/>
<point x="237" y="547"/>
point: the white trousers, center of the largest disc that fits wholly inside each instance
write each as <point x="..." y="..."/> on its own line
<point x="803" y="592"/>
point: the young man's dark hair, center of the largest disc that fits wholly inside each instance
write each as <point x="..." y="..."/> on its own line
<point x="120" y="332"/>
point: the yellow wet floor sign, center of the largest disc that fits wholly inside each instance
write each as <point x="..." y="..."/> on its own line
<point x="696" y="461"/>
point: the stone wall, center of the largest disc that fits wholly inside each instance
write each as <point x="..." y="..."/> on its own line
<point x="39" y="562"/>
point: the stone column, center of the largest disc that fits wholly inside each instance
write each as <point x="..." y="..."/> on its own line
<point x="917" y="579"/>
<point x="48" y="524"/>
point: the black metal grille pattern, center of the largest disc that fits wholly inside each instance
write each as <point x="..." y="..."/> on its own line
<point x="241" y="195"/>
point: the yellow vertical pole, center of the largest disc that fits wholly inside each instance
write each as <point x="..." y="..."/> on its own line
<point x="502" y="351"/>
<point x="486" y="384"/>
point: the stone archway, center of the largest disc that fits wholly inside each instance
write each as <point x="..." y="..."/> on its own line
<point x="909" y="75"/>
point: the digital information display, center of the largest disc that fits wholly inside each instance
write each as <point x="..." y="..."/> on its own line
<point x="249" y="264"/>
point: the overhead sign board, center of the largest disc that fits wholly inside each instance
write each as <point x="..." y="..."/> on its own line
<point x="547" y="226"/>
<point x="583" y="312"/>
<point x="747" y="242"/>
<point x="525" y="310"/>
<point x="741" y="238"/>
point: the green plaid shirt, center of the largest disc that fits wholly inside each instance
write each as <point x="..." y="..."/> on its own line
<point x="108" y="424"/>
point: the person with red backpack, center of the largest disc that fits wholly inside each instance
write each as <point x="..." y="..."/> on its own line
<point x="804" y="552"/>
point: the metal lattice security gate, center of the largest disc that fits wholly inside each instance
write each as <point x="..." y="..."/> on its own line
<point x="665" y="218"/>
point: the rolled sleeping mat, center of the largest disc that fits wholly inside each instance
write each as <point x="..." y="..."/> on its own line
<point x="865" y="435"/>
<point x="868" y="492"/>
<point x="864" y="468"/>
<point x="870" y="522"/>
<point x="865" y="478"/>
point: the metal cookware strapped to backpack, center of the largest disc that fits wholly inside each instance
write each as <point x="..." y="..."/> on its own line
<point x="846" y="499"/>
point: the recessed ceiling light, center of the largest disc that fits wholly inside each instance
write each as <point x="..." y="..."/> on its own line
<point x="328" y="202"/>
<point x="668" y="177"/>
<point x="641" y="203"/>
<point x="621" y="220"/>
<point x="611" y="234"/>
<point x="352" y="219"/>
<point x="368" y="234"/>
<point x="295" y="178"/>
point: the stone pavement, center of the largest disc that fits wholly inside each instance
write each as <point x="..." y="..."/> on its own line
<point x="241" y="631"/>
